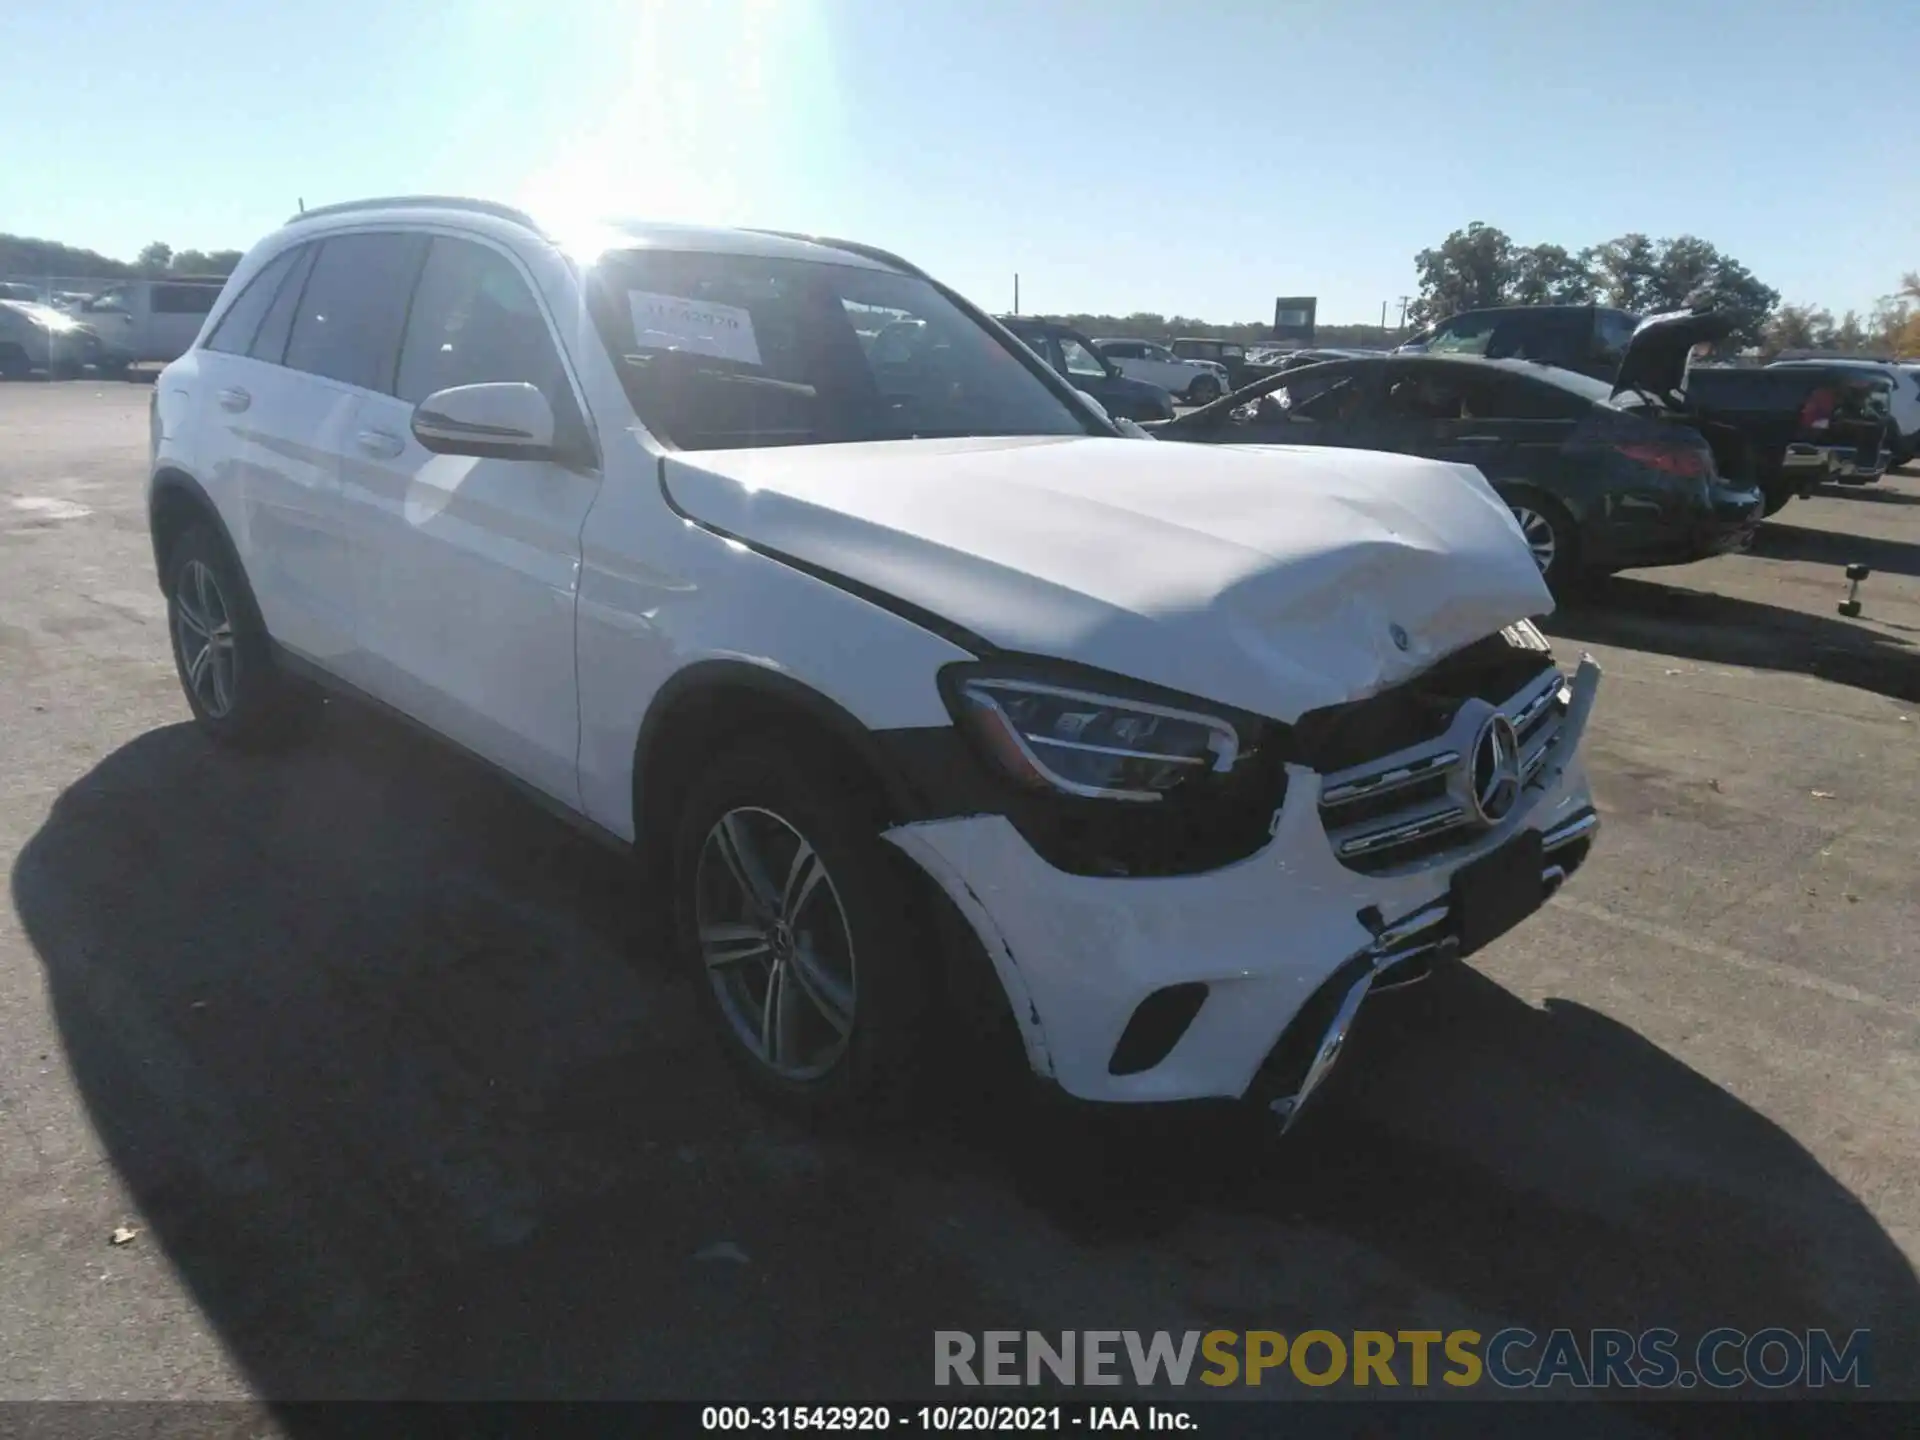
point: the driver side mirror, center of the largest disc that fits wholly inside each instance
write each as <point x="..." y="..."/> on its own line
<point x="498" y="421"/>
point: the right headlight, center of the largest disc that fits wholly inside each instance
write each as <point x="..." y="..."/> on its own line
<point x="1093" y="745"/>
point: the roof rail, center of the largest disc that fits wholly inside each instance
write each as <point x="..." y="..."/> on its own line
<point x="852" y="247"/>
<point x="423" y="202"/>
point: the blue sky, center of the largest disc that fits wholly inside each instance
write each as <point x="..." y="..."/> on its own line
<point x="1197" y="158"/>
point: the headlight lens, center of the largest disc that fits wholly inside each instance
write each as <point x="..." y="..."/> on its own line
<point x="1084" y="743"/>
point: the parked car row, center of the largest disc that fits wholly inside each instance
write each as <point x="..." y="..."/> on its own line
<point x="134" y="322"/>
<point x="35" y="337"/>
<point x="1833" y="419"/>
<point x="1600" y="477"/>
<point x="947" y="717"/>
<point x="1083" y="365"/>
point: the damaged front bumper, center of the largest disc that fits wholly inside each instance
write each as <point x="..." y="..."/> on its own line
<point x="1272" y="957"/>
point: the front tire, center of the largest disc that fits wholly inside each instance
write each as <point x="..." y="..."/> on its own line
<point x="813" y="964"/>
<point x="238" y="695"/>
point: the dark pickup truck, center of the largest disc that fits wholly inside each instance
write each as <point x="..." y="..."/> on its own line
<point x="1785" y="434"/>
<point x="1801" y="425"/>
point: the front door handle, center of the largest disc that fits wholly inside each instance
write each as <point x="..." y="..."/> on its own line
<point x="1477" y="440"/>
<point x="234" y="398"/>
<point x="381" y="444"/>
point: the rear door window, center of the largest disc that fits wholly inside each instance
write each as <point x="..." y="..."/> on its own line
<point x="1541" y="335"/>
<point x="1514" y="398"/>
<point x="1613" y="329"/>
<point x="1436" y="393"/>
<point x="184" y="299"/>
<point x="1463" y="335"/>
<point x="348" y="323"/>
<point x="270" y="340"/>
<point x="241" y="322"/>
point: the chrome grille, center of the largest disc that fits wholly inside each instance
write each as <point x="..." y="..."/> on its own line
<point x="1416" y="803"/>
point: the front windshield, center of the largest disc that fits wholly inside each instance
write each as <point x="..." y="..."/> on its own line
<point x="1462" y="335"/>
<point x="722" y="351"/>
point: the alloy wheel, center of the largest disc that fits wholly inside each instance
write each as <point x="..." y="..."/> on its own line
<point x="203" y="630"/>
<point x="1540" y="538"/>
<point x="775" y="941"/>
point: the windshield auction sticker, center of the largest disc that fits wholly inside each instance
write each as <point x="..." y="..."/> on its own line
<point x="671" y="322"/>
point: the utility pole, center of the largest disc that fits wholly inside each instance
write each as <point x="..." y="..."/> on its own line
<point x="1405" y="300"/>
<point x="1383" y="316"/>
<point x="1016" y="292"/>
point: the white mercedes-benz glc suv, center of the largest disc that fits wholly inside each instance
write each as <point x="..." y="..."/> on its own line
<point x="930" y="702"/>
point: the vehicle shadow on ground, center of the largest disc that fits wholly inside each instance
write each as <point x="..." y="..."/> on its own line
<point x="1640" y="614"/>
<point x="1873" y="494"/>
<point x="358" y="1030"/>
<point x="1775" y="541"/>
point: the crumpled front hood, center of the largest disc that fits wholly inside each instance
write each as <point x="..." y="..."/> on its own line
<point x="1274" y="578"/>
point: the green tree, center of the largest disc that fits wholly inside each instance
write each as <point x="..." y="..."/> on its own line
<point x="1692" y="272"/>
<point x="154" y="258"/>
<point x="1548" y="275"/>
<point x="1797" y="327"/>
<point x="1623" y="271"/>
<point x="1470" y="269"/>
<point x="21" y="256"/>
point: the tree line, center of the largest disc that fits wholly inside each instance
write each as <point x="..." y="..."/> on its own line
<point x="22" y="257"/>
<point x="1481" y="265"/>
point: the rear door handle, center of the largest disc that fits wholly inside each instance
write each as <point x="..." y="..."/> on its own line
<point x="1477" y="440"/>
<point x="235" y="399"/>
<point x="381" y="444"/>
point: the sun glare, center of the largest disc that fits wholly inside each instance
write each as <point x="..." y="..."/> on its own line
<point x="722" y="113"/>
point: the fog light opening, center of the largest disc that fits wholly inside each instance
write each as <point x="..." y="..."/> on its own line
<point x="1156" y="1027"/>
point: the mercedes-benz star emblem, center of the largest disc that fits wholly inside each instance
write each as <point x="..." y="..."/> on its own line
<point x="1495" y="779"/>
<point x="1399" y="637"/>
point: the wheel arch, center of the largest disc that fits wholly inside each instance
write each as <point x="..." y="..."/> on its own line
<point x="712" y="704"/>
<point x="175" y="502"/>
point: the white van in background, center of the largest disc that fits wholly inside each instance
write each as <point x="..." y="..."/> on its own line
<point x="141" y="321"/>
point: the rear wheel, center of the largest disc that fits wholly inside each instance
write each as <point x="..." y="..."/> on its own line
<point x="1203" y="391"/>
<point x="1776" y="493"/>
<point x="13" y="363"/>
<point x="1550" y="536"/>
<point x="225" y="662"/>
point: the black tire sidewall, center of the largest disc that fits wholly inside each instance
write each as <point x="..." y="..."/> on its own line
<point x="894" y="952"/>
<point x="1203" y="391"/>
<point x="261" y="711"/>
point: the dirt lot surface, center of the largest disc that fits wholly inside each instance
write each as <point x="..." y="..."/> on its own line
<point x="383" y="1069"/>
